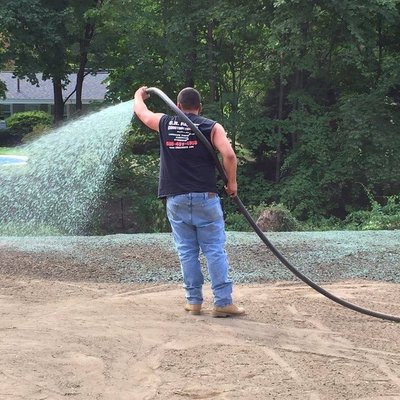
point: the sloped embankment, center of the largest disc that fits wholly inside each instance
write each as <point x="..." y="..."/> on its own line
<point x="323" y="256"/>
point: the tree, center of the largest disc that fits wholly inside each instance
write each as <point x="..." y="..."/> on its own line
<point x="3" y="43"/>
<point x="82" y="26"/>
<point x="37" y="42"/>
<point x="3" y="89"/>
<point x="50" y="37"/>
<point x="308" y="90"/>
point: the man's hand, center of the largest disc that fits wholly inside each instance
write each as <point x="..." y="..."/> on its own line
<point x="229" y="160"/>
<point x="231" y="189"/>
<point x="150" y="119"/>
<point x="141" y="93"/>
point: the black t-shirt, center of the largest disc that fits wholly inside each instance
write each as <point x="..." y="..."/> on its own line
<point x="186" y="165"/>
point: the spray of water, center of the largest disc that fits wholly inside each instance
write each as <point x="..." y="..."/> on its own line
<point x="58" y="190"/>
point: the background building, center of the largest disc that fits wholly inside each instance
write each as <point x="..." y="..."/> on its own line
<point x="21" y="95"/>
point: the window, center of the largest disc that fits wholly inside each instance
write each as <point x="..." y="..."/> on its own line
<point x="5" y="111"/>
<point x="18" y="108"/>
<point x="31" y="107"/>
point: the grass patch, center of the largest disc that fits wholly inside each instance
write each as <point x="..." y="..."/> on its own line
<point x="11" y="150"/>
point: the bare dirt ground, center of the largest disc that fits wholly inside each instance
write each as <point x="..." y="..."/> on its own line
<point x="80" y="339"/>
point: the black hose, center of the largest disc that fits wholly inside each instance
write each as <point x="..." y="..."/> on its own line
<point x="246" y="214"/>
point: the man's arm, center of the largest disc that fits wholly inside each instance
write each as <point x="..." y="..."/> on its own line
<point x="150" y="119"/>
<point x="229" y="160"/>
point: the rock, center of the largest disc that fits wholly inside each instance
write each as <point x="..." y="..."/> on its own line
<point x="275" y="220"/>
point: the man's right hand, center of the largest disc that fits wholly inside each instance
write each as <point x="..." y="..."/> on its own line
<point x="150" y="119"/>
<point x="142" y="93"/>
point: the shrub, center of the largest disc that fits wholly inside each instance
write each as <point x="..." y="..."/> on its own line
<point x="323" y="224"/>
<point x="386" y="216"/>
<point x="235" y="221"/>
<point x="142" y="142"/>
<point x="130" y="202"/>
<point x="6" y="139"/>
<point x="21" y="124"/>
<point x="37" y="131"/>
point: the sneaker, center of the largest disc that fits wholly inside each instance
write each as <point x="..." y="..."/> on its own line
<point x="227" y="311"/>
<point x="194" y="309"/>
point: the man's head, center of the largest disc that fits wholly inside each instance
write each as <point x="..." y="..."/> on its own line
<point x="189" y="100"/>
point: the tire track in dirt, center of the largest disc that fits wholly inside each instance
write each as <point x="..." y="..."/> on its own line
<point x="93" y="341"/>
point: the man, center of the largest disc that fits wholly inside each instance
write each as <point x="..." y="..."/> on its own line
<point x="188" y="182"/>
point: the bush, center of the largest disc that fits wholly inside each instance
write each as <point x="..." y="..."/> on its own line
<point x="130" y="202"/>
<point x="21" y="124"/>
<point x="324" y="224"/>
<point x="235" y="221"/>
<point x="37" y="131"/>
<point x="7" y="139"/>
<point x="386" y="216"/>
<point x="141" y="141"/>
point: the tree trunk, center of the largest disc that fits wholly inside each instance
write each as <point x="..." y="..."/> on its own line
<point x="189" y="79"/>
<point x="83" y="58"/>
<point x="234" y="105"/>
<point x="212" y="64"/>
<point x="189" y="73"/>
<point x="84" y="44"/>
<point x="79" y="85"/>
<point x="280" y="114"/>
<point x="380" y="47"/>
<point x="58" y="100"/>
<point x="192" y="60"/>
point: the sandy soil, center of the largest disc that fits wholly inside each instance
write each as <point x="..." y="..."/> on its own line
<point x="83" y="340"/>
<point x="101" y="318"/>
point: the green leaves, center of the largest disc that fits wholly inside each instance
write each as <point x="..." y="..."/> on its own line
<point x="3" y="89"/>
<point x="23" y="123"/>
<point x="308" y="91"/>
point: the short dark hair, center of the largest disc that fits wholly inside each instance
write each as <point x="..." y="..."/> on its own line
<point x="189" y="98"/>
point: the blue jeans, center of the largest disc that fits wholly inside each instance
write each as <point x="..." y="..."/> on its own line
<point x="197" y="223"/>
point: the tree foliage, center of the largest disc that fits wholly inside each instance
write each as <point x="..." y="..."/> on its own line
<point x="23" y="123"/>
<point x="52" y="38"/>
<point x="308" y="91"/>
<point x="3" y="89"/>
